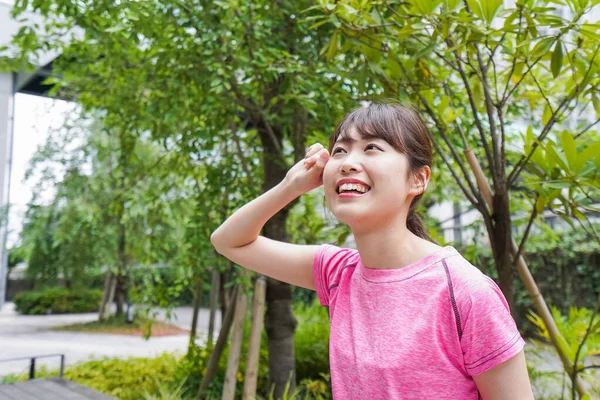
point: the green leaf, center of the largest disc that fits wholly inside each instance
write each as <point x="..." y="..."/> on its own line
<point x="586" y="155"/>
<point x="569" y="147"/>
<point x="540" y="204"/>
<point x="452" y="4"/>
<point x="490" y="8"/>
<point x="449" y="115"/>
<point x="596" y="103"/>
<point x="557" y="59"/>
<point x="333" y="46"/>
<point x="475" y="7"/>
<point x="553" y="157"/>
<point x="542" y="47"/>
<point x="394" y="67"/>
<point x="547" y="114"/>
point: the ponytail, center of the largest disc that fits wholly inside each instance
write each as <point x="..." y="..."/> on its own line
<point x="414" y="223"/>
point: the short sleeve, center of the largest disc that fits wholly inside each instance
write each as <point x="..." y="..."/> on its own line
<point x="328" y="262"/>
<point x="489" y="333"/>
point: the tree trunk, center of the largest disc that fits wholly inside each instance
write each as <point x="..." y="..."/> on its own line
<point x="258" y="313"/>
<point x="215" y="355"/>
<point x="106" y="295"/>
<point x="280" y="323"/>
<point x="196" y="310"/>
<point x="235" y="348"/>
<point x="501" y="242"/>
<point x="110" y="295"/>
<point x="538" y="300"/>
<point x="225" y="294"/>
<point x="119" y="296"/>
<point x="120" y="284"/>
<point x="214" y="297"/>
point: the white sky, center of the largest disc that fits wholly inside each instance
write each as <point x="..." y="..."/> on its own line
<point x="35" y="117"/>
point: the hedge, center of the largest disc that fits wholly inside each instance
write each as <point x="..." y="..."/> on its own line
<point x="58" y="301"/>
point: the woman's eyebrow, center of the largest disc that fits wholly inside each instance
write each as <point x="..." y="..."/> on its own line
<point x="345" y="140"/>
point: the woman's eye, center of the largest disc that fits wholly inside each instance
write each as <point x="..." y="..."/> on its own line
<point x="337" y="150"/>
<point x="372" y="147"/>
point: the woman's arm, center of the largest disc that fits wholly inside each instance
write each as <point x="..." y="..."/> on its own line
<point x="506" y="381"/>
<point x="238" y="237"/>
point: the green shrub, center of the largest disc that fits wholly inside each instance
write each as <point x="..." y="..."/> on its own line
<point x="58" y="301"/>
<point x="311" y="341"/>
<point x="126" y="379"/>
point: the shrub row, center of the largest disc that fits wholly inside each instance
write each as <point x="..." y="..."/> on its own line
<point x="58" y="301"/>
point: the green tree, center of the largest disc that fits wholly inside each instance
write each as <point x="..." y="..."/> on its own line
<point x="182" y="71"/>
<point x="494" y="84"/>
<point x="109" y="209"/>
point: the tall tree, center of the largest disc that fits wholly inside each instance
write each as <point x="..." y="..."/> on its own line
<point x="487" y="78"/>
<point x="495" y="83"/>
<point x="182" y="70"/>
<point x="108" y="210"/>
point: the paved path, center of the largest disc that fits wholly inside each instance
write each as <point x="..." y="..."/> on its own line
<point x="50" y="389"/>
<point x="25" y="335"/>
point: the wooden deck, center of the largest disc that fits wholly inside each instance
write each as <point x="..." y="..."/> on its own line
<point x="49" y="389"/>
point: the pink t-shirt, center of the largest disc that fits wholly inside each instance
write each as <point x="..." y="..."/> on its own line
<point x="417" y="332"/>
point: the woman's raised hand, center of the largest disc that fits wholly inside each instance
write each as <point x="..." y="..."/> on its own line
<point x="307" y="174"/>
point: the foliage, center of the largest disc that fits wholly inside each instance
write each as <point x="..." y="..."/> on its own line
<point x="564" y="264"/>
<point x="162" y="378"/>
<point x="505" y="81"/>
<point x="58" y="301"/>
<point x="311" y="341"/>
<point x="311" y="349"/>
<point x="113" y="207"/>
<point x="125" y="379"/>
<point x="15" y="256"/>
<point x="582" y="340"/>
<point x="237" y="88"/>
<point x="169" y="391"/>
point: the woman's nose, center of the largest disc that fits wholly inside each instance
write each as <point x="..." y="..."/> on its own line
<point x="350" y="164"/>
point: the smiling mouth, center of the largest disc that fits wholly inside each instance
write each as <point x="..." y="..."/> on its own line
<point x="352" y="189"/>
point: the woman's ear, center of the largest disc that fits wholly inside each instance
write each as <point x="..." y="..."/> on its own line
<point x="420" y="181"/>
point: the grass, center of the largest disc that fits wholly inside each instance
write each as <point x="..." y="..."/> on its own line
<point x="117" y="325"/>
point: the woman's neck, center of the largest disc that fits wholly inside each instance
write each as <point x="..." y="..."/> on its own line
<point x="392" y="246"/>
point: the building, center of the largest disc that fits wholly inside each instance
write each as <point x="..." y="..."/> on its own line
<point x="10" y="84"/>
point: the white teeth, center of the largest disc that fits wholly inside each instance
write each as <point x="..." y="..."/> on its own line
<point x="352" y="187"/>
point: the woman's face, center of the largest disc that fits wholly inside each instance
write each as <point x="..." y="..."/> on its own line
<point x="367" y="182"/>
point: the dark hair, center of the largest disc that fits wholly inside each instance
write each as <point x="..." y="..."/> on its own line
<point x="402" y="127"/>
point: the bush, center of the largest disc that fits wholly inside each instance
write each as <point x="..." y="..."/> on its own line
<point x="57" y="301"/>
<point x="565" y="268"/>
<point x="311" y="341"/>
<point x="126" y="379"/>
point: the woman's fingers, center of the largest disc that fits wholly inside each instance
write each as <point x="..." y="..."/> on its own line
<point x="320" y="158"/>
<point x="314" y="149"/>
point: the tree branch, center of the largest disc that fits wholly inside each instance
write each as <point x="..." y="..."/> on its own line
<point x="471" y="98"/>
<point x="526" y="233"/>
<point x="442" y="130"/>
<point x="587" y="128"/>
<point x="585" y="337"/>
<point x="574" y="93"/>
<point x="496" y="140"/>
<point x="511" y="91"/>
<point x="541" y="90"/>
<point x="240" y="152"/>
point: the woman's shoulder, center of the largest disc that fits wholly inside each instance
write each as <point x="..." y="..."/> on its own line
<point x="329" y="253"/>
<point x="472" y="289"/>
<point x="466" y="277"/>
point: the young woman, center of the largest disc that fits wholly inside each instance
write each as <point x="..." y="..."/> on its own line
<point x="409" y="319"/>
